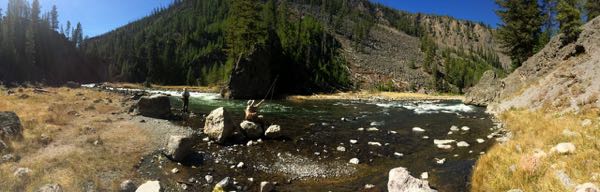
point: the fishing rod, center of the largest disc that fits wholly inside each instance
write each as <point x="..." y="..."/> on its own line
<point x="271" y="89"/>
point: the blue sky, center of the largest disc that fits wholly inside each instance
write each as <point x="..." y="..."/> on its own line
<point x="101" y="16"/>
<point x="474" y="10"/>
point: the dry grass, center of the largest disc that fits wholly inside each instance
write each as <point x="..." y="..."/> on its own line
<point x="71" y="158"/>
<point x="379" y="95"/>
<point x="209" y="89"/>
<point x="540" y="131"/>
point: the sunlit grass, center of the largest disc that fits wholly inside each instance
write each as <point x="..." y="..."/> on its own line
<point x="535" y="131"/>
<point x="71" y="159"/>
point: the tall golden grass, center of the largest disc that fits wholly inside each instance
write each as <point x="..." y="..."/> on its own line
<point x="70" y="159"/>
<point x="519" y="164"/>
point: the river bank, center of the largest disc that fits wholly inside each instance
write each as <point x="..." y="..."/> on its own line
<point x="82" y="139"/>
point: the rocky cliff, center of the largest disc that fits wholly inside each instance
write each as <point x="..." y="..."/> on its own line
<point x="565" y="77"/>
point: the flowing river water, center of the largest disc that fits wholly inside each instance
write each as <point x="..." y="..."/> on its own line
<point x="312" y="159"/>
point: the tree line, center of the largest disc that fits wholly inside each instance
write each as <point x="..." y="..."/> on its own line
<point x="528" y="25"/>
<point x="33" y="50"/>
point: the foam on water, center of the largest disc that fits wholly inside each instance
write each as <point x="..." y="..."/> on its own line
<point x="199" y="95"/>
<point x="429" y="107"/>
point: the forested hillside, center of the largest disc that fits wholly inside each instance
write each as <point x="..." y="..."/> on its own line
<point x="32" y="49"/>
<point x="306" y="45"/>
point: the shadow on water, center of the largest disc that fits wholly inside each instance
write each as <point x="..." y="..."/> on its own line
<point x="316" y="154"/>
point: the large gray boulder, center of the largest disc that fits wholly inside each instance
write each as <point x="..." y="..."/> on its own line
<point x="251" y="129"/>
<point x="10" y="126"/>
<point x="53" y="187"/>
<point x="179" y="147"/>
<point x="400" y="180"/>
<point x="155" y="106"/>
<point x="486" y="91"/>
<point x="219" y="125"/>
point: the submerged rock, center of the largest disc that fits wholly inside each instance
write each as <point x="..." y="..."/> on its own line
<point x="443" y="142"/>
<point x="400" y="180"/>
<point x="10" y="126"/>
<point x="155" y="106"/>
<point x="53" y="187"/>
<point x="149" y="186"/>
<point x="354" y="161"/>
<point x="462" y="144"/>
<point x="179" y="147"/>
<point x="251" y="129"/>
<point x="219" y="125"/>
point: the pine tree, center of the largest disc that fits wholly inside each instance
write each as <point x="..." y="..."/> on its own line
<point x="191" y="80"/>
<point x="520" y="31"/>
<point x="67" y="32"/>
<point x="54" y="18"/>
<point x="548" y="8"/>
<point x="593" y="9"/>
<point x="243" y="33"/>
<point x="77" y="37"/>
<point x="569" y="19"/>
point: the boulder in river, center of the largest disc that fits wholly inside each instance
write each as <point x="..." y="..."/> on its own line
<point x="53" y="187"/>
<point x="10" y="126"/>
<point x="400" y="180"/>
<point x="179" y="147"/>
<point x="149" y="186"/>
<point x="155" y="106"/>
<point x="251" y="129"/>
<point x="273" y="132"/>
<point x="219" y="125"/>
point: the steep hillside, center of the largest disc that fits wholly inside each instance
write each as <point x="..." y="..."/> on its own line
<point x="374" y="46"/>
<point x="562" y="77"/>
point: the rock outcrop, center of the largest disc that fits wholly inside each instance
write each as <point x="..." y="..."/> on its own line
<point x="563" y="76"/>
<point x="400" y="180"/>
<point x="155" y="106"/>
<point x="251" y="77"/>
<point x="486" y="91"/>
<point x="10" y="126"/>
<point x="219" y="125"/>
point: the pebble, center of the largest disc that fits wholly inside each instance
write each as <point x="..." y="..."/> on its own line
<point x="317" y="153"/>
<point x="372" y="129"/>
<point x="354" y="161"/>
<point x="208" y="178"/>
<point x="440" y="161"/>
<point x="240" y="165"/>
<point x="250" y="143"/>
<point x="266" y="186"/>
<point x="454" y="128"/>
<point x="341" y="148"/>
<point x="375" y="144"/>
<point x="360" y="129"/>
<point x="443" y="142"/>
<point x="450" y="132"/>
<point x="442" y="146"/>
<point x="418" y="129"/>
<point x="480" y="140"/>
<point x="393" y="132"/>
<point x="465" y="128"/>
<point x="174" y="170"/>
<point x="206" y="139"/>
<point x="251" y="179"/>
<point x="353" y="141"/>
<point x="398" y="154"/>
<point x="369" y="186"/>
<point x="462" y="144"/>
<point x="425" y="137"/>
<point x="424" y="175"/>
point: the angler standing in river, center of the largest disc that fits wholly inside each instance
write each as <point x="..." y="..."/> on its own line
<point x="186" y="100"/>
<point x="252" y="111"/>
